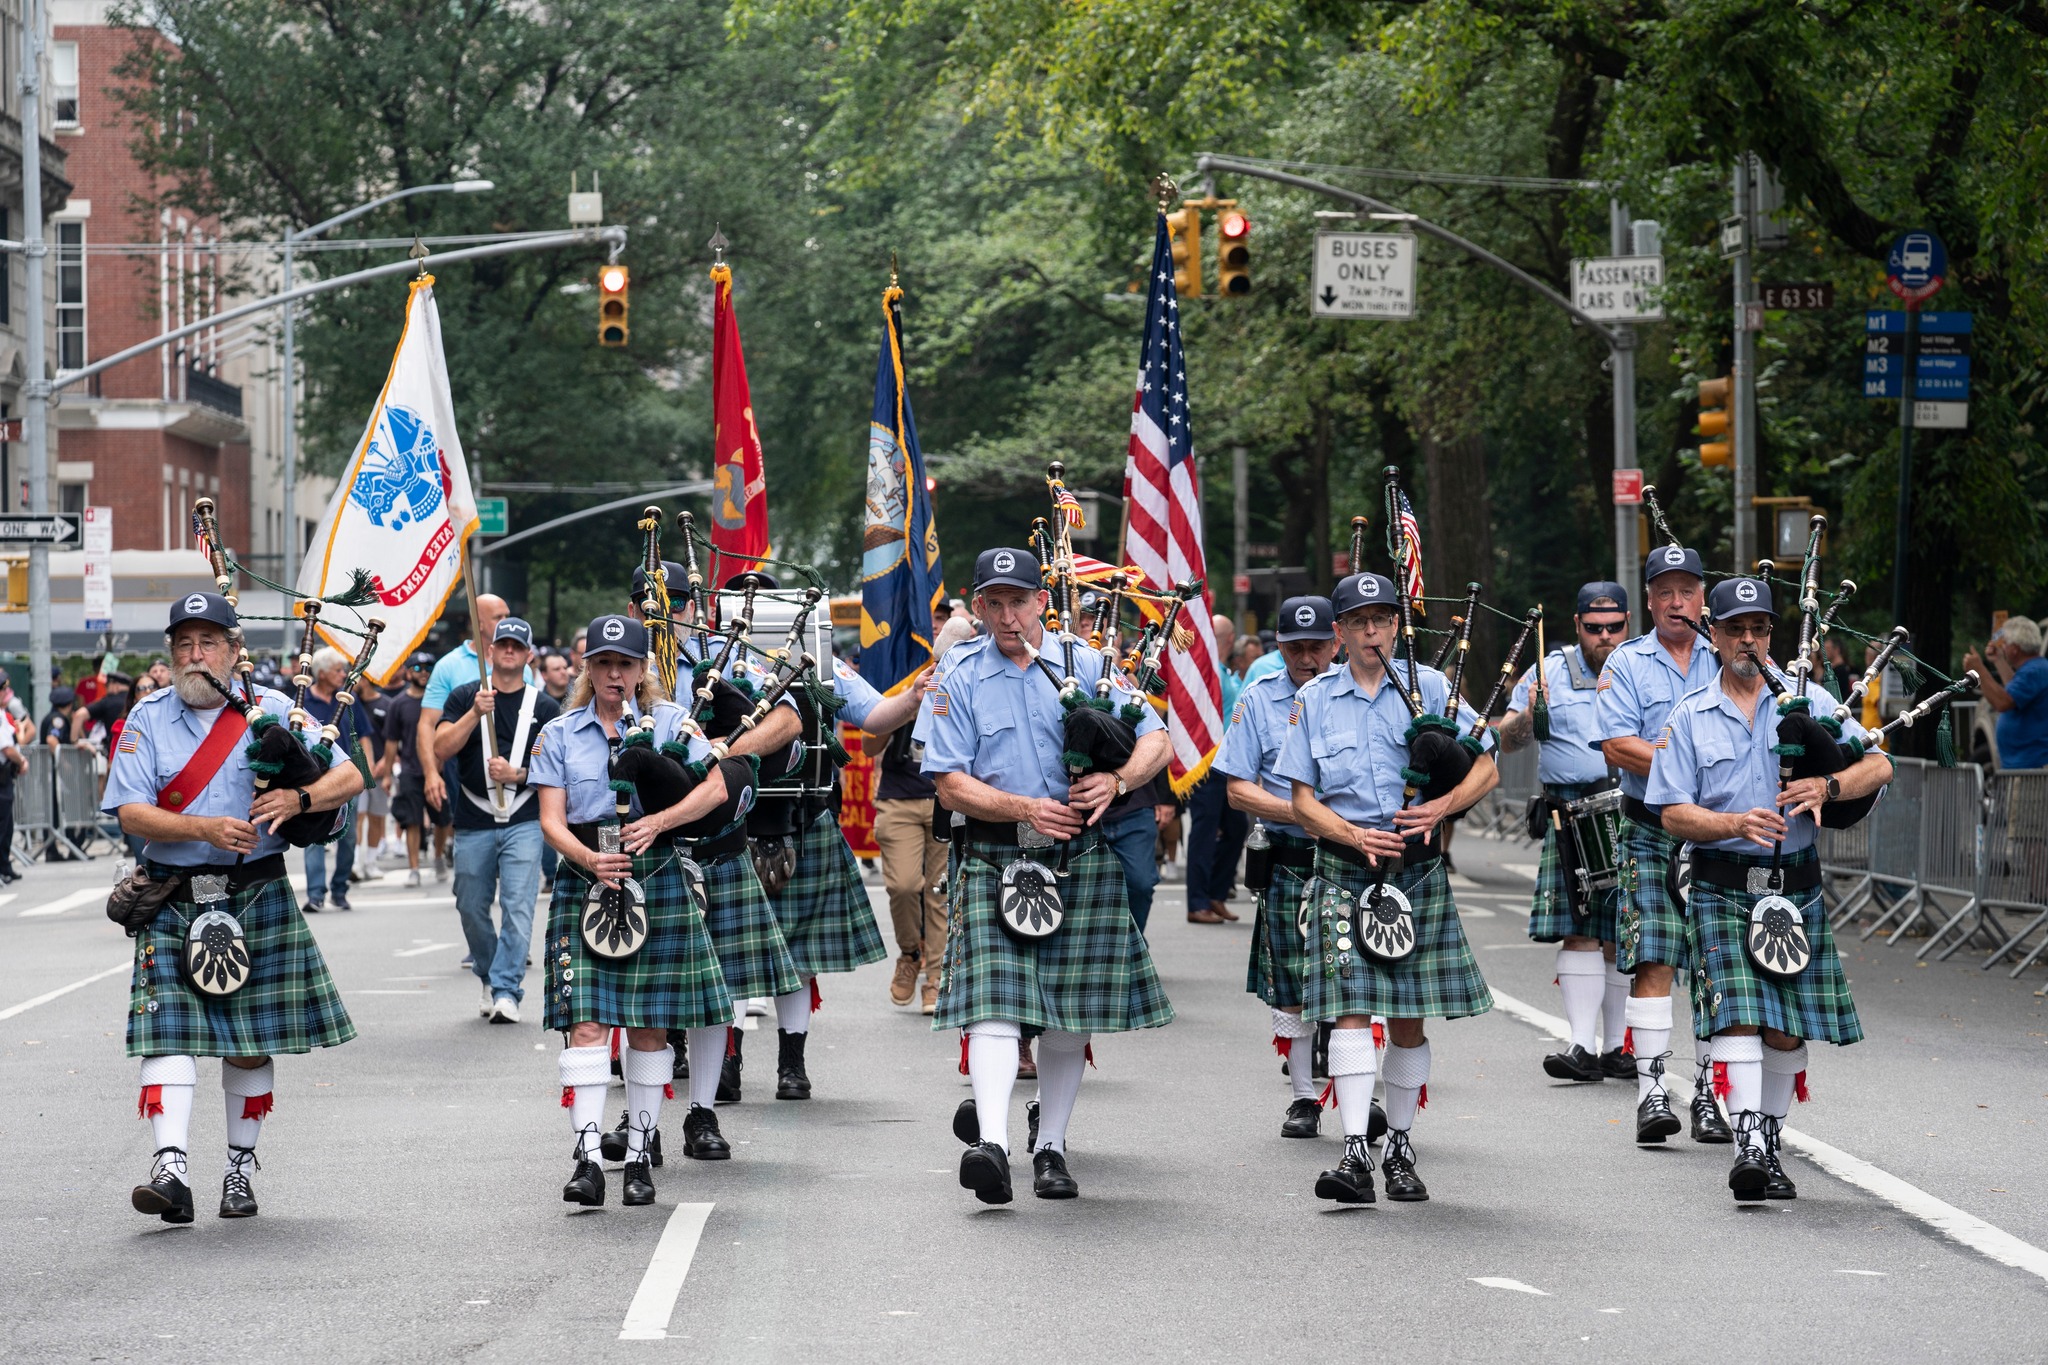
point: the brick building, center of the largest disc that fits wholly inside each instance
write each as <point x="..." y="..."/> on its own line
<point x="14" y="365"/>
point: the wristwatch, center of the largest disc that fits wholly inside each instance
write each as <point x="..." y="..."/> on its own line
<point x="1121" y="789"/>
<point x="305" y="801"/>
<point x="1834" y="788"/>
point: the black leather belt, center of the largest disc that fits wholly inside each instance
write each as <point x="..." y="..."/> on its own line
<point x="241" y="876"/>
<point x="708" y="851"/>
<point x="1414" y="855"/>
<point x="1293" y="851"/>
<point x="586" y="835"/>
<point x="1802" y="875"/>
<point x="1640" y="813"/>
<point x="1004" y="832"/>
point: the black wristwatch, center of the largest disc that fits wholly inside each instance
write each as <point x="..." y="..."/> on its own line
<point x="305" y="801"/>
<point x="1834" y="788"/>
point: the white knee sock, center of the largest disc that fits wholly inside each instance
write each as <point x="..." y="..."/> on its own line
<point x="1062" y="1061"/>
<point x="585" y="1072"/>
<point x="793" y="1011"/>
<point x="707" y="1054"/>
<point x="1407" y="1083"/>
<point x="1783" y="1075"/>
<point x="1614" y="1008"/>
<point x="1649" y="1027"/>
<point x="1581" y="976"/>
<point x="1739" y="1062"/>
<point x="992" y="1069"/>
<point x="647" y="1078"/>
<point x="247" y="1090"/>
<point x="1300" y="1036"/>
<point x="167" y="1088"/>
<point x="1353" y="1059"/>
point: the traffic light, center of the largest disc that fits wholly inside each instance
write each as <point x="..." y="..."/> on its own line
<point x="1233" y="253"/>
<point x="612" y="283"/>
<point x="1714" y="420"/>
<point x="1185" y="230"/>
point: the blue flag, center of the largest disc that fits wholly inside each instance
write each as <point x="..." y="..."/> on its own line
<point x="901" y="579"/>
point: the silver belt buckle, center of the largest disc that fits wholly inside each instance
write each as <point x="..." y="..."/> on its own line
<point x="1029" y="837"/>
<point x="208" y="887"/>
<point x="1760" y="881"/>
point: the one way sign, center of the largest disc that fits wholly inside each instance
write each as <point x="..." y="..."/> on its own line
<point x="59" y="528"/>
<point x="1364" y="275"/>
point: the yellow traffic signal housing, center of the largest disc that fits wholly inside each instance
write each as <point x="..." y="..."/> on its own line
<point x="1233" y="252"/>
<point x="1184" y="229"/>
<point x="17" y="585"/>
<point x="613" y="281"/>
<point x="1715" y="421"/>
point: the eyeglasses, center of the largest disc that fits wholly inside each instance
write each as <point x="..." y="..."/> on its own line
<point x="1374" y="621"/>
<point x="1604" y="627"/>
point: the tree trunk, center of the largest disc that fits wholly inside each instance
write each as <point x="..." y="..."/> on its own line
<point x="1457" y="544"/>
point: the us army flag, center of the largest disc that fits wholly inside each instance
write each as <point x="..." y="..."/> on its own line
<point x="404" y="509"/>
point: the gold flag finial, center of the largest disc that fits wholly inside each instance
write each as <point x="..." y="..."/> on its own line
<point x="892" y="270"/>
<point x="1164" y="189"/>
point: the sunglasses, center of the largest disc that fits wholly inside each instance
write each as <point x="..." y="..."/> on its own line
<point x="1605" y="627"/>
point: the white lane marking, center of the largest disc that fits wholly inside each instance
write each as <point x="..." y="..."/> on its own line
<point x="1879" y="1273"/>
<point x="1499" y="947"/>
<point x="47" y="996"/>
<point x="362" y="902"/>
<point x="1460" y="882"/>
<point x="415" y="952"/>
<point x="1502" y="1282"/>
<point x="1475" y="912"/>
<point x="10" y="896"/>
<point x="422" y="990"/>
<point x="63" y="903"/>
<point x="655" y="1302"/>
<point x="1943" y="1217"/>
<point x="1522" y="869"/>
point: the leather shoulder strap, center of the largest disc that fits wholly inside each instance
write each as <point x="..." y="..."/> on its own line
<point x="200" y="769"/>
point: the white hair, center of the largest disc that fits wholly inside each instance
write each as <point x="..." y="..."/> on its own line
<point x="957" y="630"/>
<point x="326" y="657"/>
<point x="2022" y="634"/>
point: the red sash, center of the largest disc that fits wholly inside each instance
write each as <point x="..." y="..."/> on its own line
<point x="199" y="770"/>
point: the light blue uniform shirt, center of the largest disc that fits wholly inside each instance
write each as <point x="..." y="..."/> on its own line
<point x="1251" y="746"/>
<point x="159" y="739"/>
<point x="1637" y="690"/>
<point x="1272" y="661"/>
<point x="1572" y="752"/>
<point x="1351" y="747"/>
<point x="857" y="692"/>
<point x="1708" y="755"/>
<point x="573" y="752"/>
<point x="451" y="671"/>
<point x="1004" y="725"/>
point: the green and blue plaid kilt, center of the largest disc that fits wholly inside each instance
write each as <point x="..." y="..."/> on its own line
<point x="1439" y="980"/>
<point x="1651" y="924"/>
<point x="751" y="951"/>
<point x="672" y="982"/>
<point x="1550" y="916"/>
<point x="824" y="912"/>
<point x="1279" y="957"/>
<point x="1728" y="991"/>
<point x="1094" y="976"/>
<point x="289" y="1005"/>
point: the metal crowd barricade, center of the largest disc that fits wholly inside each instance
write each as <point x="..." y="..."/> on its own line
<point x="35" y="802"/>
<point x="77" y="794"/>
<point x="1500" y="813"/>
<point x="1951" y="854"/>
<point x="1894" y="872"/>
<point x="2015" y="837"/>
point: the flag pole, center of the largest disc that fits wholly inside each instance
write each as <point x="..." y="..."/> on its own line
<point x="487" y="724"/>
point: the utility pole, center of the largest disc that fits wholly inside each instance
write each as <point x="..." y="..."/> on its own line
<point x="1240" y="545"/>
<point x="1627" y="564"/>
<point x="1745" y="383"/>
<point x="36" y="387"/>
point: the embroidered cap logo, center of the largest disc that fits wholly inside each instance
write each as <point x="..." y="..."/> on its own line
<point x="1004" y="561"/>
<point x="1745" y="592"/>
<point x="1674" y="555"/>
<point x="1304" y="616"/>
<point x="195" y="604"/>
<point x="614" y="630"/>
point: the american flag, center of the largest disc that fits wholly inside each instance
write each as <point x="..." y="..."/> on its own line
<point x="1163" y="495"/>
<point x="1411" y="547"/>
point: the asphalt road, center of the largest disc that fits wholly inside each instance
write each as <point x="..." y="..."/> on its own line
<point x="411" y="1179"/>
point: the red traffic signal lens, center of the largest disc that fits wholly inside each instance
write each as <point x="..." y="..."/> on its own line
<point x="612" y="279"/>
<point x="1234" y="225"/>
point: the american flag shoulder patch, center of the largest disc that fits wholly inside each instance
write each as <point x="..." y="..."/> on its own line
<point x="941" y="703"/>
<point x="534" y="752"/>
<point x="1663" y="740"/>
<point x="1237" y="713"/>
<point x="1606" y="683"/>
<point x="131" y="739"/>
<point x="1294" y="712"/>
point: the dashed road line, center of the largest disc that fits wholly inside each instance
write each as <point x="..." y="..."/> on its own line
<point x="655" y="1302"/>
<point x="63" y="903"/>
<point x="47" y="996"/>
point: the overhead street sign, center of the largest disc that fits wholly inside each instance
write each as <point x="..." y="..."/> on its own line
<point x="1364" y="275"/>
<point x="493" y="516"/>
<point x="59" y="528"/>
<point x="1619" y="288"/>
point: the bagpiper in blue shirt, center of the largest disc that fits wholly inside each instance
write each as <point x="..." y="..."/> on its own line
<point x="1351" y="746"/>
<point x="1637" y="690"/>
<point x="1572" y="753"/>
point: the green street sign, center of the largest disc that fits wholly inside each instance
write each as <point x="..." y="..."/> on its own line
<point x="493" y="514"/>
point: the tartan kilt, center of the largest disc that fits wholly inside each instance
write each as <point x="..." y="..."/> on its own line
<point x="1728" y="990"/>
<point x="290" y="1004"/>
<point x="1439" y="980"/>
<point x="1279" y="955"/>
<point x="1094" y="976"/>
<point x="672" y="982"/>
<point x="752" y="954"/>
<point x="1550" y="917"/>
<point x="824" y="912"/>
<point x="1651" y="924"/>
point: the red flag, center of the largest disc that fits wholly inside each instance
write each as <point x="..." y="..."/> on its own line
<point x="739" y="488"/>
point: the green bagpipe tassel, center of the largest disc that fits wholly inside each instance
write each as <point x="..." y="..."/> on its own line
<point x="1431" y="721"/>
<point x="1132" y="712"/>
<point x="822" y="696"/>
<point x="360" y="592"/>
<point x="1945" y="740"/>
<point x="835" y="750"/>
<point x="642" y="738"/>
<point x="1827" y="680"/>
<point x="1539" y="717"/>
<point x="1414" y="778"/>
<point x="1075" y="763"/>
<point x="362" y="762"/>
<point x="1471" y="745"/>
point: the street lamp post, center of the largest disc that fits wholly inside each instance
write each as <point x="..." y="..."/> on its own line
<point x="291" y="376"/>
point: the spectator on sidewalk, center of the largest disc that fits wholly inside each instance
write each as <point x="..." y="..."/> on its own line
<point x="376" y="797"/>
<point x="2015" y="684"/>
<point x="458" y="665"/>
<point x="1131" y="829"/>
<point x="409" y="808"/>
<point x="1216" y="833"/>
<point x="323" y="700"/>
<point x="555" y="676"/>
<point x="12" y="765"/>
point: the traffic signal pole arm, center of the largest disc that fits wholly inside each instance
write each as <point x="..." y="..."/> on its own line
<point x="1208" y="162"/>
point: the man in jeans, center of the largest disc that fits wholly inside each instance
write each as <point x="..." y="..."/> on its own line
<point x="330" y="670"/>
<point x="497" y="820"/>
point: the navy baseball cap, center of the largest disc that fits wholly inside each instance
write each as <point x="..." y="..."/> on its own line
<point x="421" y="659"/>
<point x="1601" y="596"/>
<point x="1305" y="618"/>
<point x="1673" y="559"/>
<point x="1363" y="590"/>
<point x="617" y="635"/>
<point x="512" y="628"/>
<point x="1006" y="567"/>
<point x="1734" y="597"/>
<point x="678" y="579"/>
<point x="203" y="606"/>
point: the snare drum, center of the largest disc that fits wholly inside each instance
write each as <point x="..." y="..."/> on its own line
<point x="1594" y="826"/>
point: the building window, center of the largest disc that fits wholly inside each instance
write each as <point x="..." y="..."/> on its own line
<point x="64" y="83"/>
<point x="71" y="296"/>
<point x="71" y="498"/>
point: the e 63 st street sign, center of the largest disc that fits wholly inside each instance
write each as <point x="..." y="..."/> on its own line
<point x="1364" y="275"/>
<point x="58" y="528"/>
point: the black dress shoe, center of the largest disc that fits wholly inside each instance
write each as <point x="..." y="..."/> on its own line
<point x="1707" y="1124"/>
<point x="1376" y="1126"/>
<point x="985" y="1169"/>
<point x="1749" y="1180"/>
<point x="1351" y="1181"/>
<point x="614" y="1145"/>
<point x="166" y="1195"/>
<point x="1574" y="1064"/>
<point x="792" y="1082"/>
<point x="586" y="1187"/>
<point x="1618" y="1065"/>
<point x="237" y="1199"/>
<point x="1397" y="1167"/>
<point x="1304" y="1119"/>
<point x="1780" y="1185"/>
<point x="1049" y="1178"/>
<point x="679" y="1039"/>
<point x="1031" y="1125"/>
<point x="967" y="1122"/>
<point x="701" y="1139"/>
<point x="639" y="1185"/>
<point x="1654" y="1119"/>
<point x="729" y="1071"/>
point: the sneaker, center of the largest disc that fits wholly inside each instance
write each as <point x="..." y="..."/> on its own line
<point x="929" y="996"/>
<point x="903" y="985"/>
<point x="483" y="1009"/>
<point x="311" y="908"/>
<point x="441" y="868"/>
<point x="412" y="876"/>
<point x="372" y="873"/>
<point x="504" y="1010"/>
<point x="341" y="903"/>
